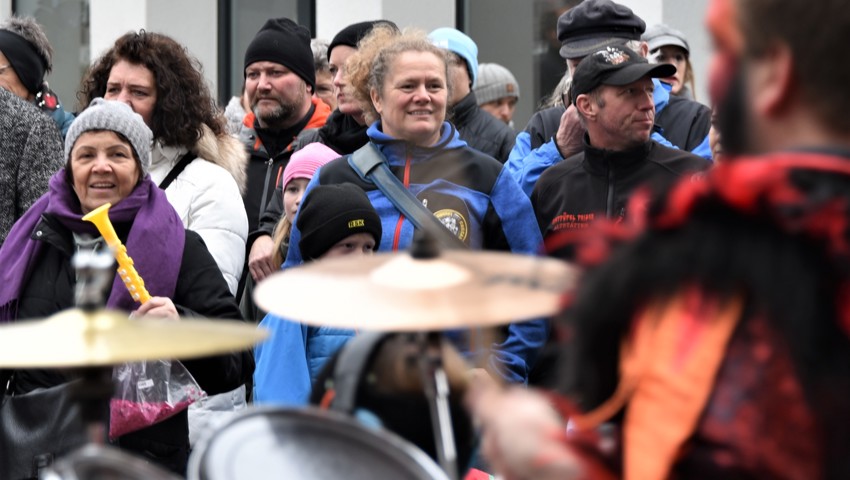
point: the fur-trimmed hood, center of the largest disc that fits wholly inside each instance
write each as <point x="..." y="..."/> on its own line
<point x="226" y="152"/>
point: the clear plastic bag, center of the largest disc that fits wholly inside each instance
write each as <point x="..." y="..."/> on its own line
<point x="149" y="392"/>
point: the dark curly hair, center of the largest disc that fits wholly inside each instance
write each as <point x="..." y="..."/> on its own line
<point x="183" y="101"/>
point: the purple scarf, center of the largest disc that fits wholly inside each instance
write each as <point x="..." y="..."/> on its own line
<point x="155" y="241"/>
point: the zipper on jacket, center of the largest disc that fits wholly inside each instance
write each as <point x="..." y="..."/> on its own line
<point x="609" y="208"/>
<point x="264" y="198"/>
<point x="397" y="236"/>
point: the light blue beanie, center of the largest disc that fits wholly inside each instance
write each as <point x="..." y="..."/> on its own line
<point x="457" y="42"/>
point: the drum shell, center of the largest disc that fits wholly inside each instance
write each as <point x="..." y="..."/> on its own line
<point x="265" y="443"/>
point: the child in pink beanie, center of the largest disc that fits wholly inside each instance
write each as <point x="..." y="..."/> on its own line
<point x="302" y="166"/>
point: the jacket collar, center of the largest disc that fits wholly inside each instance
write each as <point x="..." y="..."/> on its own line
<point x="248" y="132"/>
<point x="598" y="161"/>
<point x="398" y="151"/>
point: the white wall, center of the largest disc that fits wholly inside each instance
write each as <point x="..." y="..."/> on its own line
<point x="334" y="15"/>
<point x="112" y="18"/>
<point x="191" y="22"/>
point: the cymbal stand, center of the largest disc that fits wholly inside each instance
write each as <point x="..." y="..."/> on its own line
<point x="436" y="387"/>
<point x="95" y="271"/>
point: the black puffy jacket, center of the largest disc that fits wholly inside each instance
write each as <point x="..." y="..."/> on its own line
<point x="482" y="131"/>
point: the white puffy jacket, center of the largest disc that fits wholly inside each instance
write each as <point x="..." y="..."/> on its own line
<point x="207" y="196"/>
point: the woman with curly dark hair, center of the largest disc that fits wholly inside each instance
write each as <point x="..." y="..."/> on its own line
<point x="200" y="167"/>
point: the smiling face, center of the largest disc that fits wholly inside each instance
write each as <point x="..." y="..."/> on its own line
<point x="624" y="116"/>
<point x="103" y="169"/>
<point x="412" y="101"/>
<point x="134" y="85"/>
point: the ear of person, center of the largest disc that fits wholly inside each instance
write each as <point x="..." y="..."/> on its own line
<point x="773" y="78"/>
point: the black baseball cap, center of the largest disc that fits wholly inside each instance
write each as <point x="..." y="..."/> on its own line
<point x="614" y="65"/>
<point x="594" y="24"/>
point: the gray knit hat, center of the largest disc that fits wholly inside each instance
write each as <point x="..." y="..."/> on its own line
<point x="115" y="116"/>
<point x="494" y="82"/>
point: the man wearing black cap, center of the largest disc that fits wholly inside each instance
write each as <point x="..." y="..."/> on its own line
<point x="612" y="91"/>
<point x="555" y="133"/>
<point x="279" y="81"/>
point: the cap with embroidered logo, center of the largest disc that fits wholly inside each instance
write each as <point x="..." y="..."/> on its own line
<point x="614" y="66"/>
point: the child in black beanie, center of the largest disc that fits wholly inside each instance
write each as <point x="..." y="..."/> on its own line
<point x="334" y="220"/>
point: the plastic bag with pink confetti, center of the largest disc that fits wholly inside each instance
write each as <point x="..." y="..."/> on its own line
<point x="149" y="392"/>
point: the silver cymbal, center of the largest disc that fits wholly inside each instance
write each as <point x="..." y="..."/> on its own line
<point x="395" y="292"/>
<point x="75" y="338"/>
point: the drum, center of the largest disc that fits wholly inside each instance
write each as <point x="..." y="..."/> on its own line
<point x="97" y="462"/>
<point x="274" y="443"/>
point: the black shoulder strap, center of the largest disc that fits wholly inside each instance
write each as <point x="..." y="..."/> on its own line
<point x="369" y="163"/>
<point x="351" y="364"/>
<point x="178" y="168"/>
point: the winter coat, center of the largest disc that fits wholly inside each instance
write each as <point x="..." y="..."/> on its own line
<point x="31" y="151"/>
<point x="679" y="123"/>
<point x="341" y="133"/>
<point x="468" y="191"/>
<point x="596" y="183"/>
<point x="264" y="171"/>
<point x="482" y="131"/>
<point x="200" y="291"/>
<point x="207" y="197"/>
<point x="290" y="359"/>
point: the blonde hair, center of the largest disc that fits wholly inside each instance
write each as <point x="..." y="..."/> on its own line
<point x="369" y="66"/>
<point x="280" y="236"/>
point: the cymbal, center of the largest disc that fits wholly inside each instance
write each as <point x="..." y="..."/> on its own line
<point x="396" y="292"/>
<point x="76" y="338"/>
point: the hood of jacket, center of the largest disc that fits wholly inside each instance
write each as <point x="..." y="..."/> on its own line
<point x="226" y="152"/>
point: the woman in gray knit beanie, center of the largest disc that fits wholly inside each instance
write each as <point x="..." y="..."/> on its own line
<point x="114" y="129"/>
<point x="497" y="91"/>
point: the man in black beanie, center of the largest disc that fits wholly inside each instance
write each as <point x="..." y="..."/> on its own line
<point x="279" y="83"/>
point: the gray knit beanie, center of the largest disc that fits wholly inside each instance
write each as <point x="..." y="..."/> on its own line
<point x="115" y="116"/>
<point x="494" y="82"/>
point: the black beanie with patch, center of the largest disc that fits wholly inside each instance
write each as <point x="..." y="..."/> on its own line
<point x="330" y="213"/>
<point x="285" y="42"/>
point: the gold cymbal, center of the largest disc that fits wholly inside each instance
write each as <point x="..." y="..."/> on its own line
<point x="75" y="338"/>
<point x="395" y="292"/>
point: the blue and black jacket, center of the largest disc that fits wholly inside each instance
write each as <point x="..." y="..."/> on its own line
<point x="472" y="194"/>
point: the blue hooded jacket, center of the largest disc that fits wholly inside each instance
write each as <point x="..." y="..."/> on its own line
<point x="467" y="190"/>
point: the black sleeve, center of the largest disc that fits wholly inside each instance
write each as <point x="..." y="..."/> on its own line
<point x="699" y="128"/>
<point x="543" y="218"/>
<point x="203" y="292"/>
<point x="270" y="217"/>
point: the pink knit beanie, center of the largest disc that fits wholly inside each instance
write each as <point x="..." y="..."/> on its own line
<point x="305" y="162"/>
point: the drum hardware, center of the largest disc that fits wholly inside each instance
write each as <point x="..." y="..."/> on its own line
<point x="308" y="444"/>
<point x="423" y="292"/>
<point x="88" y="341"/>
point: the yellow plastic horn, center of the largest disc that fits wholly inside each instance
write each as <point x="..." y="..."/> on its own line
<point x="132" y="280"/>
